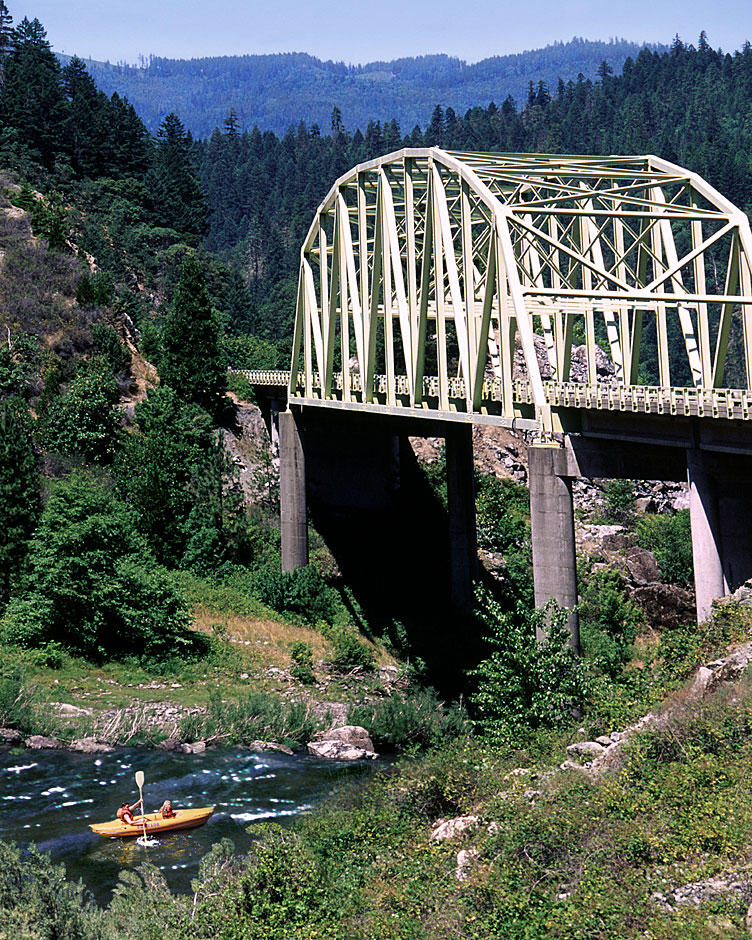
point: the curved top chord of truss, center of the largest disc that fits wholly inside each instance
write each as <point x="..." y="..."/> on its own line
<point x="471" y="284"/>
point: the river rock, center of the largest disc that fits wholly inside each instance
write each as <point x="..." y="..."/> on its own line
<point x="90" y="746"/>
<point x="452" y="828"/>
<point x="270" y="746"/>
<point x="70" y="711"/>
<point x="584" y="750"/>
<point x="338" y="750"/>
<point x="171" y="744"/>
<point x="10" y="735"/>
<point x="197" y="747"/>
<point x="353" y="735"/>
<point x="38" y="742"/>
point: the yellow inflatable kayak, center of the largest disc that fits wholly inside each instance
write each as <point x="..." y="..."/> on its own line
<point x="155" y="823"/>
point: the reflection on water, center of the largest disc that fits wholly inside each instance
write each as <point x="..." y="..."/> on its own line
<point x="52" y="797"/>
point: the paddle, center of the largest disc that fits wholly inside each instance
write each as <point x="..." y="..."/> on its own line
<point x="140" y="784"/>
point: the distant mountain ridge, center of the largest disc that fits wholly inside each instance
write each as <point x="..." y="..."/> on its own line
<point x="277" y="91"/>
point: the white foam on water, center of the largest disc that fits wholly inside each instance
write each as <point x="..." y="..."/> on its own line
<point x="17" y="770"/>
<point x="76" y="802"/>
<point x="250" y="817"/>
<point x="53" y="790"/>
<point x="97" y="763"/>
<point x="16" y="797"/>
<point x="146" y="841"/>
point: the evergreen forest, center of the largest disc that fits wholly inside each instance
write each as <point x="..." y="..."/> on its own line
<point x="139" y="536"/>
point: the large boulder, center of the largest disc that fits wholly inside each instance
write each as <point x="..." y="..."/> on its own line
<point x="642" y="566"/>
<point x="38" y="742"/>
<point x="666" y="605"/>
<point x="452" y="828"/>
<point x="9" y="736"/>
<point x="350" y="742"/>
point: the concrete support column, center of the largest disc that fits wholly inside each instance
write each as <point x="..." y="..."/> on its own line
<point x="710" y="582"/>
<point x="463" y="544"/>
<point x="292" y="494"/>
<point x="552" y="524"/>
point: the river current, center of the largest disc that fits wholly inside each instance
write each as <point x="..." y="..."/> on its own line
<point x="51" y="797"/>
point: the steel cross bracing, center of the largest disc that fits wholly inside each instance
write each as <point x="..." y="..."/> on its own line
<point x="459" y="285"/>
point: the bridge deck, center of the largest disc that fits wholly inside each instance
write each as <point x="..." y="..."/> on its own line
<point x="722" y="403"/>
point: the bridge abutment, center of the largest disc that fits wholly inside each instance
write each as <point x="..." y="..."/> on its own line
<point x="552" y="529"/>
<point x="292" y="494"/>
<point x="706" y="539"/>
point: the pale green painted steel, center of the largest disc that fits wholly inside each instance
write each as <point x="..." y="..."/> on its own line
<point x="458" y="284"/>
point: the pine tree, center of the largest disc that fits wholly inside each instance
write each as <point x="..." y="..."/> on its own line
<point x="192" y="361"/>
<point x="174" y="183"/>
<point x="32" y="101"/>
<point x="19" y="490"/>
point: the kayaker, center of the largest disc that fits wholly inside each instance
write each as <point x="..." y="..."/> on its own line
<point x="166" y="811"/>
<point x="125" y="813"/>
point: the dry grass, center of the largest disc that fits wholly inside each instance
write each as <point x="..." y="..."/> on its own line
<point x="268" y="641"/>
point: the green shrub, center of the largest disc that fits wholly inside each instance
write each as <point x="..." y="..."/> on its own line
<point x="95" y="587"/>
<point x="83" y="421"/>
<point x="240" y="387"/>
<point x="109" y="345"/>
<point x="526" y="684"/>
<point x="669" y="538"/>
<point x="301" y="592"/>
<point x="16" y="701"/>
<point x="420" y="719"/>
<point x="620" y="500"/>
<point x="301" y="655"/>
<point x="348" y="650"/>
<point x="95" y="290"/>
<point x="609" y="621"/>
<point x="503" y="525"/>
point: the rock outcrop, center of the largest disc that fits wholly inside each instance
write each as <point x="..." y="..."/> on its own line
<point x="350" y="742"/>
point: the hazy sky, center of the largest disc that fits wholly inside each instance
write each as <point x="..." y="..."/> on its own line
<point x="360" y="31"/>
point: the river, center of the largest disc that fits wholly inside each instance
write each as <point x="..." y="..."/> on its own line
<point x="51" y="797"/>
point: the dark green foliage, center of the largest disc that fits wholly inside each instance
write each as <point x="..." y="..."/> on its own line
<point x="503" y="525"/>
<point x="217" y="532"/>
<point x="669" y="538"/>
<point x="20" y="498"/>
<point x="177" y="195"/>
<point x="17" y="360"/>
<point x="37" y="902"/>
<point x="192" y="362"/>
<point x="109" y="345"/>
<point x="525" y="684"/>
<point x="620" y="500"/>
<point x="32" y="103"/>
<point x="250" y="352"/>
<point x="82" y="421"/>
<point x="156" y="465"/>
<point x="94" y="586"/>
<point x="418" y="720"/>
<point x="301" y="656"/>
<point x="348" y="650"/>
<point x="94" y="290"/>
<point x="609" y="622"/>
<point x="301" y="592"/>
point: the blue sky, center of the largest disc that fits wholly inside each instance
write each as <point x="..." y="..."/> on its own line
<point x="365" y="30"/>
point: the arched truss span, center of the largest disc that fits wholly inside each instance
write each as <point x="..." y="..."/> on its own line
<point x="461" y="283"/>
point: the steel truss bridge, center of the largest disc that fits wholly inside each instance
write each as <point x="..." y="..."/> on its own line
<point x="458" y="286"/>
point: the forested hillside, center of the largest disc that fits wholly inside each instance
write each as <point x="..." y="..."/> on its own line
<point x="277" y="91"/>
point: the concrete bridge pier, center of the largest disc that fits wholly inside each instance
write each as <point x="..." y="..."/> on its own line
<point x="292" y="493"/>
<point x="706" y="538"/>
<point x="552" y="527"/>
